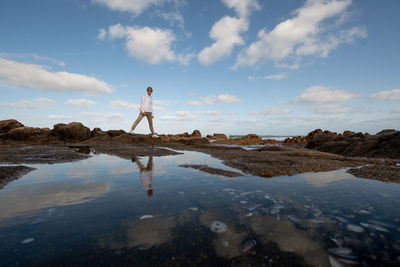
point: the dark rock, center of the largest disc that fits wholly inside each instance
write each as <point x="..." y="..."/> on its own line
<point x="97" y="132"/>
<point x="7" y="125"/>
<point x="71" y="131"/>
<point x="196" y="134"/>
<point x="385" y="144"/>
<point x="28" y="133"/>
<point x="114" y="133"/>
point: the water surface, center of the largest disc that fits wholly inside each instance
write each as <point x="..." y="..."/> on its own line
<point x="112" y="211"/>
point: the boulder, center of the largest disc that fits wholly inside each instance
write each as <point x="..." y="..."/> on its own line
<point x="71" y="131"/>
<point x="218" y="136"/>
<point x="114" y="133"/>
<point x="196" y="134"/>
<point x="7" y="125"/>
<point x="28" y="133"/>
<point x="97" y="132"/>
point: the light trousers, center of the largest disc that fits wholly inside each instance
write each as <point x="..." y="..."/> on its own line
<point x="149" y="116"/>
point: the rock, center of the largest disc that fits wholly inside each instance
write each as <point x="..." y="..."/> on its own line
<point x="71" y="131"/>
<point x="97" y="132"/>
<point x="385" y="144"/>
<point x="196" y="134"/>
<point x="218" y="227"/>
<point x="7" y="125"/>
<point x="114" y="133"/>
<point x="28" y="133"/>
<point x="217" y="136"/>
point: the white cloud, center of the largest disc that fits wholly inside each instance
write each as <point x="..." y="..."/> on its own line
<point x="278" y="76"/>
<point x="92" y="114"/>
<point x="102" y="34"/>
<point x="396" y="110"/>
<point x="217" y="120"/>
<point x="271" y="111"/>
<point x="59" y="117"/>
<point x="213" y="112"/>
<point x="135" y="7"/>
<point x="209" y="100"/>
<point x="82" y="103"/>
<point x="24" y="104"/>
<point x="307" y="33"/>
<point x="27" y="104"/>
<point x="52" y="60"/>
<point x="180" y="116"/>
<point x="320" y="94"/>
<point x="123" y="104"/>
<point x="243" y="7"/>
<point x="98" y="115"/>
<point x="338" y="108"/>
<point x="195" y="103"/>
<point x="387" y="95"/>
<point x="25" y="75"/>
<point x="45" y="100"/>
<point x="113" y="116"/>
<point x="226" y="33"/>
<point x="152" y="45"/>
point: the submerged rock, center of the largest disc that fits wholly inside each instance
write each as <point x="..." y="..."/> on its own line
<point x="247" y="245"/>
<point x="218" y="227"/>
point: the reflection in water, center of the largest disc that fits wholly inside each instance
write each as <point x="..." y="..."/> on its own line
<point x="322" y="179"/>
<point x="146" y="174"/>
<point x="18" y="201"/>
<point x="102" y="217"/>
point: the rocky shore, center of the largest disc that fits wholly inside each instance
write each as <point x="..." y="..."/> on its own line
<point x="318" y="151"/>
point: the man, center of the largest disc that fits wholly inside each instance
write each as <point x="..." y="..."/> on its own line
<point x="146" y="109"/>
<point x="146" y="174"/>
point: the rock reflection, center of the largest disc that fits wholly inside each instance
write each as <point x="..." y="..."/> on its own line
<point x="322" y="179"/>
<point x="146" y="174"/>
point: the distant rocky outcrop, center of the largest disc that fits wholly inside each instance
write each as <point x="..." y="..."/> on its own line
<point x="385" y="144"/>
<point x="250" y="139"/>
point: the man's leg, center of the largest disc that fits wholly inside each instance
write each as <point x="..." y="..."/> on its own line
<point x="149" y="116"/>
<point x="139" y="118"/>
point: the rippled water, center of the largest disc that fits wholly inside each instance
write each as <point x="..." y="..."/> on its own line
<point x="110" y="211"/>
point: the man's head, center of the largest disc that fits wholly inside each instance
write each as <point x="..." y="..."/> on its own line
<point x="149" y="90"/>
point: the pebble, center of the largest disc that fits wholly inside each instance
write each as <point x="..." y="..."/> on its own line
<point x="146" y="217"/>
<point x="355" y="228"/>
<point x="28" y="240"/>
<point x="193" y="209"/>
<point x="247" y="245"/>
<point x="218" y="227"/>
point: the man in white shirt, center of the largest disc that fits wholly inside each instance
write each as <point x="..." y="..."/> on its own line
<point x="145" y="109"/>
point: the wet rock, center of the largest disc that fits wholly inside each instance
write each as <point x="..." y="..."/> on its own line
<point x="71" y="131"/>
<point x="7" y="125"/>
<point x="218" y="227"/>
<point x="382" y="173"/>
<point x="247" y="245"/>
<point x="212" y="170"/>
<point x="38" y="154"/>
<point x="354" y="228"/>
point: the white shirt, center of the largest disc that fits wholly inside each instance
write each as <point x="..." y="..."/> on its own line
<point x="146" y="105"/>
<point x="147" y="179"/>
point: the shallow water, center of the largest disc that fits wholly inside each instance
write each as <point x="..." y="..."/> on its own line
<point x="110" y="211"/>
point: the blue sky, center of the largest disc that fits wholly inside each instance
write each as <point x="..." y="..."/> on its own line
<point x="231" y="66"/>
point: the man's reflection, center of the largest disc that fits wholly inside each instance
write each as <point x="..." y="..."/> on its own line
<point x="146" y="174"/>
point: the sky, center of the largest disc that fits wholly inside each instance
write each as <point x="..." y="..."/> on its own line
<point x="267" y="67"/>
